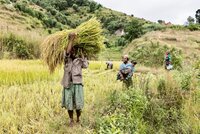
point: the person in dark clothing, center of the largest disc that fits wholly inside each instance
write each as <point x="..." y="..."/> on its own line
<point x="109" y="64"/>
<point x="168" y="65"/>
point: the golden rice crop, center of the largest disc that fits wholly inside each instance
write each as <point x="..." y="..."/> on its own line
<point x="89" y="41"/>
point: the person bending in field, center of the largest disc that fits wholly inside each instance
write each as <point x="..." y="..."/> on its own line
<point x="126" y="72"/>
<point x="109" y="64"/>
<point x="72" y="95"/>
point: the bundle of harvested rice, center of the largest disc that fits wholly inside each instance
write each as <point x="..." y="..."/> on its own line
<point x="89" y="41"/>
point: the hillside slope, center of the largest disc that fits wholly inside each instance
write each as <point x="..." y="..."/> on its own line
<point x="185" y="41"/>
<point x="50" y="16"/>
<point x="25" y="23"/>
<point x="33" y="20"/>
<point x="14" y="22"/>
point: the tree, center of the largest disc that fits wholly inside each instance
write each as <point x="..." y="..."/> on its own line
<point x="161" y="21"/>
<point x="49" y="22"/>
<point x="52" y="10"/>
<point x="134" y="30"/>
<point x="197" y="16"/>
<point x="114" y="25"/>
<point x="75" y="7"/>
<point x="121" y="42"/>
<point x="94" y="6"/>
<point x="62" y="5"/>
<point x="190" y="20"/>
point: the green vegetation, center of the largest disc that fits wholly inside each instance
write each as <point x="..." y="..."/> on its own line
<point x="154" y="105"/>
<point x="134" y="30"/>
<point x="159" y="102"/>
<point x="13" y="46"/>
<point x="197" y="67"/>
<point x="48" y="17"/>
<point x="71" y="13"/>
<point x="151" y="47"/>
<point x="152" y="54"/>
<point x="194" y="27"/>
<point x="162" y="102"/>
<point x="153" y="27"/>
<point x="197" y="16"/>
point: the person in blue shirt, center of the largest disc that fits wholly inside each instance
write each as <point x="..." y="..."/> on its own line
<point x="126" y="72"/>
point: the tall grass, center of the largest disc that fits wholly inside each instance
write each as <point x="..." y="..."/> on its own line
<point x="30" y="98"/>
<point x="30" y="101"/>
<point x="163" y="103"/>
<point x="18" y="72"/>
<point x="18" y="47"/>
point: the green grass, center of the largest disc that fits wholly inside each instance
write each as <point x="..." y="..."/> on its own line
<point x="31" y="98"/>
<point x="112" y="54"/>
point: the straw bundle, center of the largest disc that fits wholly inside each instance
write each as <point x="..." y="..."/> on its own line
<point x="89" y="41"/>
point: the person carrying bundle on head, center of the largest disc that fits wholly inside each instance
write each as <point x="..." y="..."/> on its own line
<point x="72" y="95"/>
<point x="126" y="72"/>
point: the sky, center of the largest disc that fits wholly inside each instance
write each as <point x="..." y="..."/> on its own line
<point x="174" y="11"/>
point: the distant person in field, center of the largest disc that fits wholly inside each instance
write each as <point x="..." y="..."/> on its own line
<point x="168" y="64"/>
<point x="109" y="64"/>
<point x="126" y="72"/>
<point x="73" y="95"/>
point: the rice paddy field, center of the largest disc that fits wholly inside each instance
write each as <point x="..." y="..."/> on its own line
<point x="30" y="100"/>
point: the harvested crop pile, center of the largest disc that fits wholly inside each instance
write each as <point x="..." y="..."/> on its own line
<point x="89" y="41"/>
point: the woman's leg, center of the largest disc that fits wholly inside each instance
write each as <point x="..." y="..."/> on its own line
<point x="79" y="100"/>
<point x="70" y="112"/>
<point x="67" y="102"/>
<point x="78" y="113"/>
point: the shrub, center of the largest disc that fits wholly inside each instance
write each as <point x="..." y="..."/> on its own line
<point x="178" y="27"/>
<point x="22" y="51"/>
<point x="108" y="44"/>
<point x="5" y="1"/>
<point x="121" y="42"/>
<point x="134" y="30"/>
<point x="52" y="10"/>
<point x="25" y="9"/>
<point x="164" y="112"/>
<point x="50" y="23"/>
<point x="194" y="27"/>
<point x="197" y="67"/>
<point x="124" y="113"/>
<point x="132" y="111"/>
<point x="20" y="6"/>
<point x="112" y="26"/>
<point x="30" y="11"/>
<point x="18" y="47"/>
<point x="93" y="6"/>
<point x="75" y="7"/>
<point x="39" y="15"/>
<point x="61" y="18"/>
<point x="153" y="27"/>
<point x="62" y="4"/>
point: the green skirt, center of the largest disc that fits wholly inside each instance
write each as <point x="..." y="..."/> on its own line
<point x="73" y="97"/>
